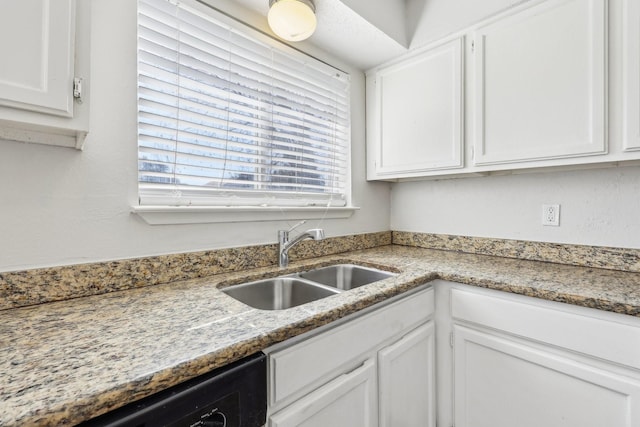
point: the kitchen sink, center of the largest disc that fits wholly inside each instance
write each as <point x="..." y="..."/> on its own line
<point x="346" y="276"/>
<point x="295" y="289"/>
<point x="278" y="293"/>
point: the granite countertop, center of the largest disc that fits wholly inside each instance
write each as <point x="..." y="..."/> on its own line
<point x="64" y="362"/>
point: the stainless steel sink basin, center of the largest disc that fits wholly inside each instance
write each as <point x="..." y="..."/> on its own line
<point x="346" y="276"/>
<point x="278" y="293"/>
<point x="289" y="291"/>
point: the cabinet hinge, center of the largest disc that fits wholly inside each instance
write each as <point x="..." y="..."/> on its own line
<point x="473" y="46"/>
<point x="77" y="89"/>
<point x="451" y="339"/>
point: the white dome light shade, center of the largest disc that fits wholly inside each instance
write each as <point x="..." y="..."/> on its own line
<point x="292" y="20"/>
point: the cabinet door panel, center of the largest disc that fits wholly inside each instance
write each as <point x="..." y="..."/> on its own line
<point x="36" y="44"/>
<point x="504" y="383"/>
<point x="347" y="401"/>
<point x="406" y="380"/>
<point x="631" y="75"/>
<point x="541" y="83"/>
<point x="419" y="112"/>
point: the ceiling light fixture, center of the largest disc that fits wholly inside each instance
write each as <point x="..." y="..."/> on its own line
<point x="292" y="20"/>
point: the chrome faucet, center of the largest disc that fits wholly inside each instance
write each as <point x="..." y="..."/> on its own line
<point x="284" y="244"/>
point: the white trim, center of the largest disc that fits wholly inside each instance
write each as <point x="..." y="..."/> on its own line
<point x="165" y="215"/>
<point x="42" y="134"/>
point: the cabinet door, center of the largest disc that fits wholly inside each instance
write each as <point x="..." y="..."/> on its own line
<point x="347" y="401"/>
<point x="37" y="50"/>
<point x="540" y="83"/>
<point x="418" y="113"/>
<point x="406" y="380"/>
<point x="500" y="382"/>
<point x="298" y="369"/>
<point x="631" y="75"/>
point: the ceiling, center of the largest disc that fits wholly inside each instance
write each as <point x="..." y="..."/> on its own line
<point x="363" y="33"/>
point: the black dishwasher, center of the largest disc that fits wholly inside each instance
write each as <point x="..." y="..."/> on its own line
<point x="232" y="396"/>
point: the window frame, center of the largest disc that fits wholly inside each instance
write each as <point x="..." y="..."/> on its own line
<point x="166" y="214"/>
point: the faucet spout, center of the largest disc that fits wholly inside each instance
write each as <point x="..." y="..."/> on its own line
<point x="285" y="244"/>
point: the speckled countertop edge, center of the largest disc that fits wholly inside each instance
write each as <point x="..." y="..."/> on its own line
<point x="42" y="285"/>
<point x="66" y="361"/>
<point x="610" y="258"/>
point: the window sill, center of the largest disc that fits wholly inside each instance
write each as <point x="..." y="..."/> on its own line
<point x="165" y="215"/>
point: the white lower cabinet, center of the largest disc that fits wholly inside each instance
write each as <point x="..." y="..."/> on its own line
<point x="375" y="369"/>
<point x="498" y="360"/>
<point x="504" y="382"/>
<point x="519" y="361"/>
<point x="406" y="380"/>
<point x="347" y="401"/>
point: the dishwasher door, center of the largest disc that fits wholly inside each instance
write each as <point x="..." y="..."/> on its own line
<point x="232" y="396"/>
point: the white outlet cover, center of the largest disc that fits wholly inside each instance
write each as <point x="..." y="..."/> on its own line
<point x="551" y="215"/>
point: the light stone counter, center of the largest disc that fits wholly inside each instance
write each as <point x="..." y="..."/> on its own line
<point x="66" y="361"/>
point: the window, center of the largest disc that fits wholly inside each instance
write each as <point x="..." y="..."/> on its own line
<point x="229" y="117"/>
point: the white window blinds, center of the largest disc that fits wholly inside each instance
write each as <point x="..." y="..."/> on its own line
<point x="229" y="118"/>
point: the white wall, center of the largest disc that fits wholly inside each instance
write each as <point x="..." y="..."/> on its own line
<point x="598" y="207"/>
<point x="61" y="206"/>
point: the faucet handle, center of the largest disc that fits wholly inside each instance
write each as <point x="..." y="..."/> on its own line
<point x="296" y="226"/>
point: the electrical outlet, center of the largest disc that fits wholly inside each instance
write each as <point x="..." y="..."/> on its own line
<point x="551" y="215"/>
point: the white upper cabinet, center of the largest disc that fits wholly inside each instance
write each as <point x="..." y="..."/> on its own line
<point x="631" y="74"/>
<point x="544" y="84"/>
<point x="416" y="115"/>
<point x="540" y="83"/>
<point x="37" y="51"/>
<point x="40" y="62"/>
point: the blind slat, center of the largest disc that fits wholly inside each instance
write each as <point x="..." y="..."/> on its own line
<point x="225" y="118"/>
